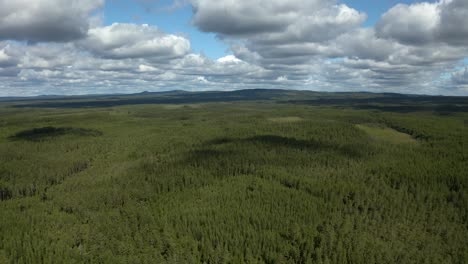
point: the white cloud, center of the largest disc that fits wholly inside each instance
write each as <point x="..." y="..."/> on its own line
<point x="6" y="60"/>
<point x="412" y="24"/>
<point x="453" y="27"/>
<point x="146" y="68"/>
<point x="229" y="59"/>
<point x="423" y="23"/>
<point x="202" y="79"/>
<point x="119" y="41"/>
<point x="461" y="77"/>
<point x="3" y="56"/>
<point x="244" y="18"/>
<point x="281" y="79"/>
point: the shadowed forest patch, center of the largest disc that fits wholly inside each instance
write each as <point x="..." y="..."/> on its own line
<point x="43" y="133"/>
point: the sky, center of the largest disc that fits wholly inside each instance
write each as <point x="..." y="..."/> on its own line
<point x="71" y="47"/>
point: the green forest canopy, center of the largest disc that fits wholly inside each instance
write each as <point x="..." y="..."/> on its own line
<point x="239" y="182"/>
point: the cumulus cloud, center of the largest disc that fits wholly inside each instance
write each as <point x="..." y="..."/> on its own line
<point x="453" y="27"/>
<point x="229" y="59"/>
<point x="364" y="44"/>
<point x="297" y="19"/>
<point x="6" y="59"/>
<point x="411" y="24"/>
<point x="46" y="20"/>
<point x="133" y="41"/>
<point x="425" y="23"/>
<point x="461" y="77"/>
<point x="282" y="37"/>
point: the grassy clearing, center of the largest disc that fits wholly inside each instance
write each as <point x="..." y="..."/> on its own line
<point x="386" y="134"/>
<point x="286" y="119"/>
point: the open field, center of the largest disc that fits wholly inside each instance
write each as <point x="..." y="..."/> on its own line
<point x="243" y="177"/>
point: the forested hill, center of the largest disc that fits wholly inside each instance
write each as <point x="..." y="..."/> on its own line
<point x="358" y="100"/>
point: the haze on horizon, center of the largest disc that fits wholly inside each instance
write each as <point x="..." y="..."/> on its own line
<point x="129" y="46"/>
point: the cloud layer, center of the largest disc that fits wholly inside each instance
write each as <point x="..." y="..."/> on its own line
<point x="46" y="20"/>
<point x="60" y="47"/>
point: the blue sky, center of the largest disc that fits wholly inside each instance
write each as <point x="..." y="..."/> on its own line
<point x="129" y="46"/>
<point x="375" y="8"/>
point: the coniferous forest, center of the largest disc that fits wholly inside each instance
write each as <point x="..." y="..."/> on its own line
<point x="241" y="177"/>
